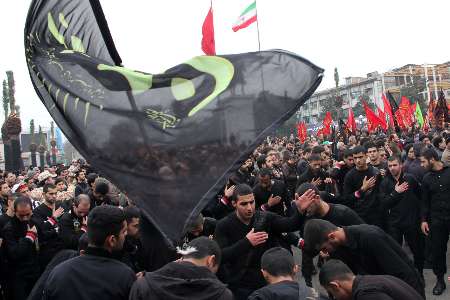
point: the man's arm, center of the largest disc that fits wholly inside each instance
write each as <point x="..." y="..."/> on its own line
<point x="230" y="251"/>
<point x="426" y="201"/>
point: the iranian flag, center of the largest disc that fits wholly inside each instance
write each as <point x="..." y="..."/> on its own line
<point x="247" y="17"/>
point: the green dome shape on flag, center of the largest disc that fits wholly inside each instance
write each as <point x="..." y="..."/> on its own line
<point x="168" y="140"/>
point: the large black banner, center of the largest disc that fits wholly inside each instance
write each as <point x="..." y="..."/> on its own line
<point x="169" y="140"/>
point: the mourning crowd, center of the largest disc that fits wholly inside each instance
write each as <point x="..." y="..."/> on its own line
<point x="366" y="213"/>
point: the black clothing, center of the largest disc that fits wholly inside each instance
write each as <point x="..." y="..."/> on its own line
<point x="376" y="253"/>
<point x="414" y="168"/>
<point x="367" y="204"/>
<point x="49" y="241"/>
<point x="403" y="211"/>
<point x="382" y="287"/>
<point x="302" y="166"/>
<point x="240" y="177"/>
<point x="133" y="254"/>
<point x="262" y="195"/>
<point x="240" y="266"/>
<point x="96" y="202"/>
<point x="70" y="230"/>
<point x="22" y="258"/>
<point x="209" y="226"/>
<point x="95" y="275"/>
<point x="308" y="176"/>
<point x="61" y="256"/>
<point x="180" y="280"/>
<point x="3" y="205"/>
<point x="338" y="174"/>
<point x="436" y="211"/>
<point x="82" y="188"/>
<point x="284" y="290"/>
<point x="290" y="179"/>
<point x="381" y="166"/>
<point x="4" y="219"/>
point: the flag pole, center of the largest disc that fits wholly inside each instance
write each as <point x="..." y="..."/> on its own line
<point x="257" y="26"/>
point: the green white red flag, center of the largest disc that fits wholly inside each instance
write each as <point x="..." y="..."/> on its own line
<point x="246" y="18"/>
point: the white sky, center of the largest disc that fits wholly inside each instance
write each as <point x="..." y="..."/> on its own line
<point x="358" y="37"/>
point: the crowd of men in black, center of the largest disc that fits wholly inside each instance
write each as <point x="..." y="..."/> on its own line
<point x="356" y="205"/>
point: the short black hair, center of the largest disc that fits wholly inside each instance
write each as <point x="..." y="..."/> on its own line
<point x="195" y="223"/>
<point x="265" y="172"/>
<point x="436" y="141"/>
<point x="318" y="150"/>
<point x="104" y="221"/>
<point x="22" y="201"/>
<point x="79" y="198"/>
<point x="204" y="247"/>
<point x="348" y="153"/>
<point x="91" y="178"/>
<point x="278" y="262"/>
<point x="316" y="233"/>
<point x="395" y="157"/>
<point x="307" y="186"/>
<point x="101" y="188"/>
<point x="314" y="157"/>
<point x="369" y="145"/>
<point x="334" y="270"/>
<point x="359" y="149"/>
<point x="59" y="179"/>
<point x="429" y="153"/>
<point x="48" y="186"/>
<point x="241" y="190"/>
<point x="261" y="160"/>
<point x="83" y="242"/>
<point x="131" y="212"/>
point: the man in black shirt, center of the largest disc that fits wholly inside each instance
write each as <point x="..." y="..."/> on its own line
<point x="371" y="249"/>
<point x="400" y="198"/>
<point x="341" y="169"/>
<point x="361" y="187"/>
<point x="74" y="223"/>
<point x="243" y="237"/>
<point x="5" y="191"/>
<point x="290" y="174"/>
<point x="436" y="212"/>
<point x="270" y="194"/>
<point x="342" y="284"/>
<point x="315" y="174"/>
<point x="82" y="186"/>
<point x="375" y="159"/>
<point x="46" y="216"/>
<point x="303" y="163"/>
<point x="279" y="269"/>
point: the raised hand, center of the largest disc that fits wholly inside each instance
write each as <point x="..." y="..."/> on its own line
<point x="425" y="228"/>
<point x="305" y="200"/>
<point x="58" y="213"/>
<point x="368" y="183"/>
<point x="273" y="200"/>
<point x="401" y="188"/>
<point x="228" y="192"/>
<point x="257" y="238"/>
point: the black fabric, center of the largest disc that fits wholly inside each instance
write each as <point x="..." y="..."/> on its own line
<point x="240" y="260"/>
<point x="134" y="255"/>
<point x="413" y="167"/>
<point x="277" y="188"/>
<point x="95" y="275"/>
<point x="82" y="188"/>
<point x="382" y="287"/>
<point x="290" y="179"/>
<point x="144" y="134"/>
<point x="180" y="280"/>
<point x="338" y="174"/>
<point x="376" y="253"/>
<point x="284" y="290"/>
<point x="368" y="205"/>
<point x="439" y="231"/>
<point x="436" y="195"/>
<point x="70" y="230"/>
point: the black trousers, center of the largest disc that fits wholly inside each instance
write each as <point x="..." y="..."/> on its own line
<point x="22" y="285"/>
<point x="439" y="231"/>
<point x="415" y="239"/>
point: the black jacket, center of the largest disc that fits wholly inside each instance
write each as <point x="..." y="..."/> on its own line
<point x="180" y="280"/>
<point x="21" y="252"/>
<point x="376" y="253"/>
<point x="382" y="287"/>
<point x="95" y="275"/>
<point x="82" y="188"/>
<point x="70" y="230"/>
<point x="240" y="260"/>
<point x="403" y="209"/>
<point x="284" y="290"/>
<point x="436" y="195"/>
<point x="277" y="188"/>
<point x="133" y="254"/>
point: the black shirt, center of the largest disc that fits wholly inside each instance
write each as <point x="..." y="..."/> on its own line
<point x="240" y="260"/>
<point x="376" y="253"/>
<point x="436" y="195"/>
<point x="382" y="287"/>
<point x="277" y="188"/>
<point x="367" y="204"/>
<point x="284" y="290"/>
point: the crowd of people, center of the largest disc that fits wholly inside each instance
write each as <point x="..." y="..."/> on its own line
<point x="369" y="212"/>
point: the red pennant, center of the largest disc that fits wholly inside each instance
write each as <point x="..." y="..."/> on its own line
<point x="382" y="118"/>
<point x="351" y="123"/>
<point x="372" y="119"/>
<point x="388" y="111"/>
<point x="208" y="42"/>
<point x="301" y="132"/>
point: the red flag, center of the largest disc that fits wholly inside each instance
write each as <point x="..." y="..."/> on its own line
<point x="320" y="131"/>
<point x="327" y="124"/>
<point x="405" y="109"/>
<point x="208" y="42"/>
<point x="351" y="124"/>
<point x="301" y="132"/>
<point x="388" y="111"/>
<point x="372" y="119"/>
<point x="382" y="118"/>
<point x="399" y="118"/>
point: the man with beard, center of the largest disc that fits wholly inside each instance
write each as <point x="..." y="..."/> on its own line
<point x="244" y="236"/>
<point x="191" y="277"/>
<point x="82" y="186"/>
<point x="200" y="226"/>
<point x="99" y="196"/>
<point x="290" y="174"/>
<point x="412" y="162"/>
<point x="302" y="164"/>
<point x="5" y="191"/>
<point x="399" y="195"/>
<point x="339" y="215"/>
<point x="133" y="252"/>
<point x="372" y="251"/>
<point x="436" y="212"/>
<point x="361" y="186"/>
<point x="374" y="157"/>
<point x="341" y="169"/>
<point x="277" y="172"/>
<point x="20" y="238"/>
<point x="97" y="274"/>
<point x="74" y="223"/>
<point x="270" y="194"/>
<point x="315" y="174"/>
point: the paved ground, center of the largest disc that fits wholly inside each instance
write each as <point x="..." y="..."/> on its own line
<point x="430" y="279"/>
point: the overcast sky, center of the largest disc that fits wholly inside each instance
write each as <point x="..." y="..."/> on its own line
<point x="358" y="37"/>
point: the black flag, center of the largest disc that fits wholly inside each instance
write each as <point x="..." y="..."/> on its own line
<point x="169" y="140"/>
